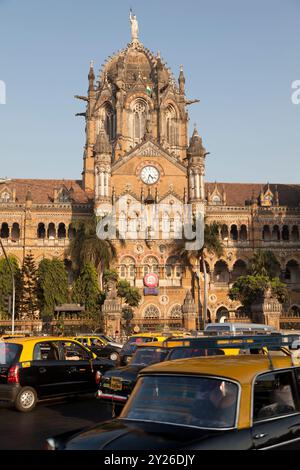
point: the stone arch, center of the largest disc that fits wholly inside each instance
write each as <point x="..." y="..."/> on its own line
<point x="107" y="120"/>
<point x="127" y="268"/>
<point x="241" y="314"/>
<point x="41" y="231"/>
<point x="292" y="272"/>
<point x="15" y="232"/>
<point x="71" y="232"/>
<point x="139" y="116"/>
<point x="221" y="272"/>
<point x="151" y="312"/>
<point x="224" y="232"/>
<point x="150" y="265"/>
<point x="239" y="269"/>
<point x="222" y="314"/>
<point x="294" y="311"/>
<point x="173" y="268"/>
<point x="62" y="232"/>
<point x="51" y="232"/>
<point x="234" y="235"/>
<point x="171" y="122"/>
<point x="4" y="232"/>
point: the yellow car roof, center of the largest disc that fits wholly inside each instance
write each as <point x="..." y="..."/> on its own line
<point x="241" y="368"/>
<point x="37" y="339"/>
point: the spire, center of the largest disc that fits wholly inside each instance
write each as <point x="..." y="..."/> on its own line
<point x="181" y="81"/>
<point x="196" y="147"/>
<point x="91" y="76"/>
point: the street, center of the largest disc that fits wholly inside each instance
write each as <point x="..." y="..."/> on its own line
<point x="28" y="431"/>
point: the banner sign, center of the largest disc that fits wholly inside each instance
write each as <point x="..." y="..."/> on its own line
<point x="151" y="291"/>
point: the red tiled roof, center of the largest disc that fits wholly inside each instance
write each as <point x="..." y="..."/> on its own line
<point x="42" y="191"/>
<point x="238" y="193"/>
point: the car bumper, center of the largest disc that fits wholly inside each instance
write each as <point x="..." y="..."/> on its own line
<point x="111" y="397"/>
<point x="8" y="392"/>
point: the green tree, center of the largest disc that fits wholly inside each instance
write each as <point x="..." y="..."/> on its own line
<point x="86" y="290"/>
<point x="263" y="274"/>
<point x="130" y="295"/>
<point x="6" y="289"/>
<point x="52" y="286"/>
<point x="28" y="294"/>
<point x="86" y="247"/>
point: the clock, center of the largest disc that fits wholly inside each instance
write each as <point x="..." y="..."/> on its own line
<point x="149" y="174"/>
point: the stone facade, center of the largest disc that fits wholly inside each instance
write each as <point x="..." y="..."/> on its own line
<point x="137" y="153"/>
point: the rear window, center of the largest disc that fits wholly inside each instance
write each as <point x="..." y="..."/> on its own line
<point x="182" y="353"/>
<point x="145" y="356"/>
<point x="9" y="353"/>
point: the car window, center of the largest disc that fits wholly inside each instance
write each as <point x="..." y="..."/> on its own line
<point x="148" y="356"/>
<point x="273" y="395"/>
<point x="97" y="342"/>
<point x="74" y="352"/>
<point x="9" y="353"/>
<point x="46" y="351"/>
<point x="181" y="353"/>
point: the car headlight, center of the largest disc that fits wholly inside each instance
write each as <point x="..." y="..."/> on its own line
<point x="50" y="444"/>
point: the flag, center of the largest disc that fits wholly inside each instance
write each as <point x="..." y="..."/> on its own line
<point x="148" y="90"/>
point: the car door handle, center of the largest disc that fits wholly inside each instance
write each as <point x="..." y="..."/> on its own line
<point x="259" y="435"/>
<point x="42" y="370"/>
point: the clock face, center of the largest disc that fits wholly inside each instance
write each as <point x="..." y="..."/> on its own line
<point x="150" y="175"/>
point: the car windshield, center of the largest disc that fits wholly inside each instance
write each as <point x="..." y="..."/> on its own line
<point x="148" y="356"/>
<point x="184" y="400"/>
<point x="9" y="353"/>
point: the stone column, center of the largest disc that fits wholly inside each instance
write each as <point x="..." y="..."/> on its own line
<point x="112" y="311"/>
<point x="267" y="310"/>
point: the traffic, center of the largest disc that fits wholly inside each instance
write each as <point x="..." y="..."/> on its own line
<point x="175" y="391"/>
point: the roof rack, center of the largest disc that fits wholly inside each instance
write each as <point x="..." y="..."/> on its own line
<point x="246" y="342"/>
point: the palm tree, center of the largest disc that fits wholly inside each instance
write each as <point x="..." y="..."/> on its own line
<point x="212" y="244"/>
<point x="264" y="263"/>
<point x="86" y="247"/>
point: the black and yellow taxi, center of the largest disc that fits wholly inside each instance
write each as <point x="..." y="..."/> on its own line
<point x="117" y="384"/>
<point x="100" y="346"/>
<point x="246" y="401"/>
<point x="33" y="369"/>
<point x="133" y="341"/>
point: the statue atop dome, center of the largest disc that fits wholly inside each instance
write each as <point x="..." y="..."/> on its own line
<point x="134" y="27"/>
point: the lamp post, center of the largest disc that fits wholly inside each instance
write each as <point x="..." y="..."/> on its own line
<point x="13" y="286"/>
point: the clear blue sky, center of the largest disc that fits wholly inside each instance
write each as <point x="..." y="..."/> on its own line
<point x="240" y="58"/>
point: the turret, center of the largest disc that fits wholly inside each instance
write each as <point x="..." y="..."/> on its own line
<point x="196" y="154"/>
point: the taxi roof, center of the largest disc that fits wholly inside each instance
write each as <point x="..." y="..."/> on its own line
<point x="167" y="344"/>
<point x="38" y="338"/>
<point x="241" y="368"/>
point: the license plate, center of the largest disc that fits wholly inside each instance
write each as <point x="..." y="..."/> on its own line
<point x="115" y="383"/>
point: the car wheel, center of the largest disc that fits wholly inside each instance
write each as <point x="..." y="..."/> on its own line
<point x="114" y="356"/>
<point x="26" y="399"/>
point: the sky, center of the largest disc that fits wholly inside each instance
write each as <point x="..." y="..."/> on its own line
<point x="240" y="59"/>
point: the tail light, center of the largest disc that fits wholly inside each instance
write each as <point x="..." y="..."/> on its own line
<point x="98" y="376"/>
<point x="13" y="375"/>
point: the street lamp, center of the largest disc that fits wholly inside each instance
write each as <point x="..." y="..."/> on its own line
<point x="13" y="286"/>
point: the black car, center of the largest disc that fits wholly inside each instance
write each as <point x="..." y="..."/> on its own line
<point x="100" y="347"/>
<point x="117" y="384"/>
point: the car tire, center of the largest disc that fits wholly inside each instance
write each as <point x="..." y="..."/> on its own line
<point x="114" y="356"/>
<point x="26" y="399"/>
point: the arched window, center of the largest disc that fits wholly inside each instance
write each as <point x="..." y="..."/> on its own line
<point x="175" y="312"/>
<point x="239" y="269"/>
<point x="4" y="230"/>
<point x="15" y="232"/>
<point x="295" y="234"/>
<point x="173" y="268"/>
<point x="266" y="234"/>
<point x="224" y="232"/>
<point x="222" y="315"/>
<point x="285" y="233"/>
<point x="234" y="232"/>
<point x="41" y="231"/>
<point x="294" y="311"/>
<point x="71" y="232"/>
<point x="51" y="231"/>
<point x="275" y="234"/>
<point x="243" y="233"/>
<point x="140" y="116"/>
<point x="171" y="126"/>
<point x="151" y="265"/>
<point x="5" y="197"/>
<point x="62" y="233"/>
<point x="127" y="268"/>
<point x="151" y="312"/>
<point x="292" y="272"/>
<point x="221" y="272"/>
<point x="107" y="121"/>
